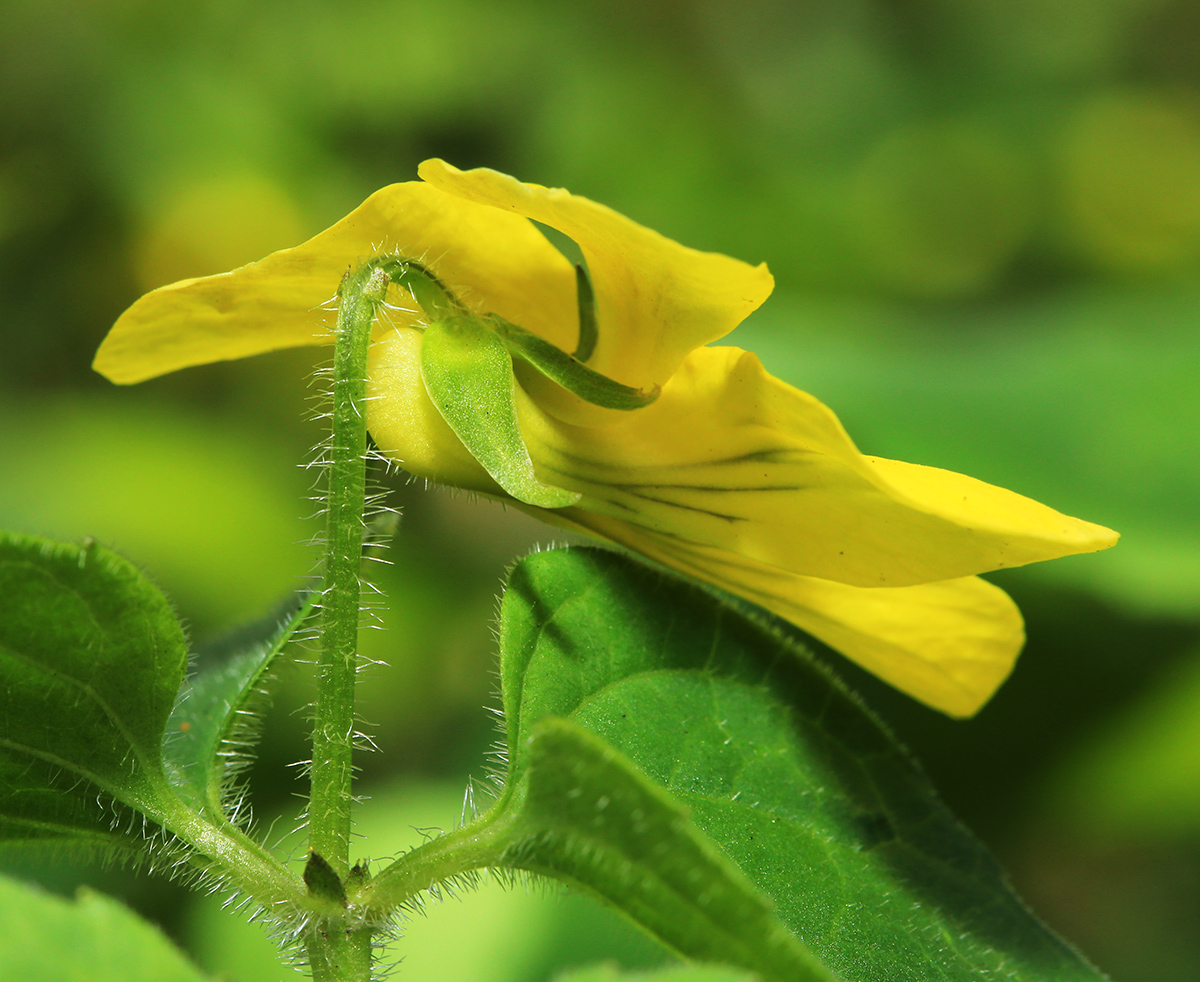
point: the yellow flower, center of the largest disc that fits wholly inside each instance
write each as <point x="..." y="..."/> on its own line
<point x="730" y="475"/>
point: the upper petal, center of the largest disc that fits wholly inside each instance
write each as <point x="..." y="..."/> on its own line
<point x="732" y="458"/>
<point x="656" y="300"/>
<point x="496" y="261"/>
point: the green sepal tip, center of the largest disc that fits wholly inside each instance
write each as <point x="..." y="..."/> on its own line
<point x="588" y="332"/>
<point x="568" y="371"/>
<point x="468" y="374"/>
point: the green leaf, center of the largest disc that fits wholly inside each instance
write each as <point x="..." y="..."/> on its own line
<point x="40" y="807"/>
<point x="469" y="376"/>
<point x="589" y="816"/>
<point x="91" y="658"/>
<point x="215" y="721"/>
<point x="93" y="939"/>
<point x="775" y="762"/>
<point x="683" y="973"/>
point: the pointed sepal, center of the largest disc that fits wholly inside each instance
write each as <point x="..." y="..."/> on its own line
<point x="570" y="372"/>
<point x="468" y="373"/>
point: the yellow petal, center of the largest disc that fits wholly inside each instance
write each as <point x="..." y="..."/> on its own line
<point x="655" y="299"/>
<point x="732" y="458"/>
<point x="495" y="260"/>
<point x="949" y="644"/>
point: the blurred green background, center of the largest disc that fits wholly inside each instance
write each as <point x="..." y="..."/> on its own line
<point x="984" y="221"/>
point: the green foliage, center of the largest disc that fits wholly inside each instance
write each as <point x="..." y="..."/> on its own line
<point x="1138" y="777"/>
<point x="669" y="692"/>
<point x="669" y="753"/>
<point x="867" y="151"/>
<point x="208" y="502"/>
<point x="42" y="807"/>
<point x="689" y="973"/>
<point x="93" y="939"/>
<point x="93" y="700"/>
<point x="211" y="732"/>
<point x="496" y="931"/>
<point x="588" y="816"/>
<point x="91" y="658"/>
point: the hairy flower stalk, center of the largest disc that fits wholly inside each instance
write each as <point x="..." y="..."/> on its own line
<point x="337" y="954"/>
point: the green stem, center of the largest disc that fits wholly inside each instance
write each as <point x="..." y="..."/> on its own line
<point x="338" y="951"/>
<point x="234" y="857"/>
<point x="480" y="844"/>
<point x="336" y="954"/>
<point x="339" y="955"/>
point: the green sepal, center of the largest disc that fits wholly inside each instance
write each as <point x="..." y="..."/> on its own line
<point x="469" y="376"/>
<point x="433" y="296"/>
<point x="214" y="724"/>
<point x="91" y="659"/>
<point x="568" y="371"/>
<point x="586" y="301"/>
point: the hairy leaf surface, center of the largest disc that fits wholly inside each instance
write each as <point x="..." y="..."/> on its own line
<point x="215" y="722"/>
<point x="91" y="659"/>
<point x="592" y="817"/>
<point x="794" y="780"/>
